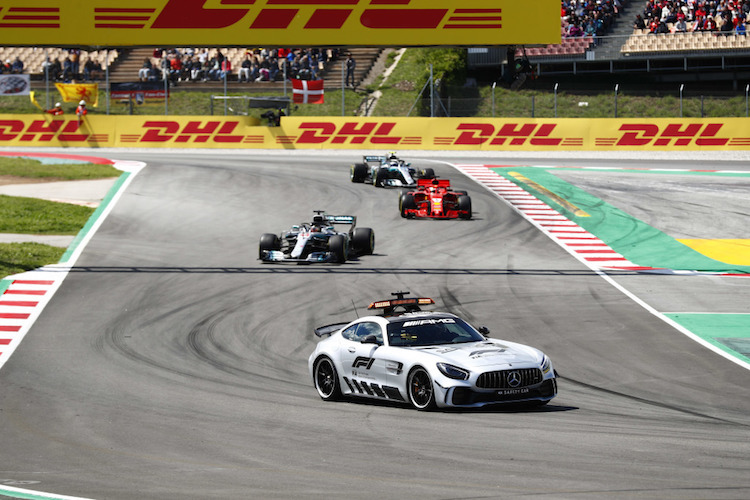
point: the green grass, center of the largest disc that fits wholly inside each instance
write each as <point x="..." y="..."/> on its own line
<point x="21" y="257"/>
<point x="34" y="216"/>
<point x="27" y="167"/>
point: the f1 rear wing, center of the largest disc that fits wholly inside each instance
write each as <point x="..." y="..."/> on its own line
<point x="444" y="183"/>
<point x="377" y="159"/>
<point x="341" y="219"/>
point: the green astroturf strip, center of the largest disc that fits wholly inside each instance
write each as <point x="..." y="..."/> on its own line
<point x="635" y="240"/>
<point x="729" y="332"/>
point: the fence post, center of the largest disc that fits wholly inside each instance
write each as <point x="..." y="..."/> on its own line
<point x="617" y="87"/>
<point x="556" y="99"/>
<point x="682" y="86"/>
<point x="493" y="99"/>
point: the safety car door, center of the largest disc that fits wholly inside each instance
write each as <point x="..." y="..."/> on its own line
<point x="364" y="370"/>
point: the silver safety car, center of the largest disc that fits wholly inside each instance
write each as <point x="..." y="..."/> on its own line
<point x="426" y="359"/>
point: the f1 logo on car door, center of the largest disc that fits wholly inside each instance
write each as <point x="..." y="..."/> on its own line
<point x="361" y="357"/>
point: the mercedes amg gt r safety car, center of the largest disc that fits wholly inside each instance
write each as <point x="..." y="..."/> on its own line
<point x="388" y="171"/>
<point x="426" y="359"/>
<point x="318" y="241"/>
<point x="434" y="198"/>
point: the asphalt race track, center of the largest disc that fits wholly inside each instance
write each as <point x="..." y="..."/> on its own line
<point x="172" y="364"/>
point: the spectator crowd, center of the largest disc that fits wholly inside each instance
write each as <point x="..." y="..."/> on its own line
<point x="593" y="18"/>
<point x="254" y="65"/>
<point x="681" y="16"/>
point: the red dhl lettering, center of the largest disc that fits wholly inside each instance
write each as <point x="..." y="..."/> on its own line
<point x="349" y="132"/>
<point x="673" y="134"/>
<point x="479" y="133"/>
<point x="165" y="131"/>
<point x="42" y="131"/>
<point x="279" y="14"/>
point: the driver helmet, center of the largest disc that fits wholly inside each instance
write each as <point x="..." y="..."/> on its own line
<point x="58" y="105"/>
<point x="82" y="103"/>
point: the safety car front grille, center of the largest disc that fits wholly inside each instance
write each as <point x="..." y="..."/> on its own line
<point x="502" y="379"/>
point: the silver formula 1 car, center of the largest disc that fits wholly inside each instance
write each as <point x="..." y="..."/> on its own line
<point x="426" y="359"/>
<point x="318" y="241"/>
<point x="388" y="171"/>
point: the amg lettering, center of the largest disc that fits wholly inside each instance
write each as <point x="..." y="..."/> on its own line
<point x="429" y="322"/>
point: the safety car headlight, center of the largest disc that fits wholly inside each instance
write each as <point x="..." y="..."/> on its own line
<point x="454" y="372"/>
<point x="546" y="363"/>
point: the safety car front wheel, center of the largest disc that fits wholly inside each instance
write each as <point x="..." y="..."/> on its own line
<point x="420" y="389"/>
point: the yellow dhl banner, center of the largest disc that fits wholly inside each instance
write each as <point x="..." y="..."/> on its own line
<point x="75" y="92"/>
<point x="457" y="134"/>
<point x="278" y="23"/>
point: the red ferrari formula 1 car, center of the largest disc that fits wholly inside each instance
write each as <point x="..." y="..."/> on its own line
<point x="434" y="199"/>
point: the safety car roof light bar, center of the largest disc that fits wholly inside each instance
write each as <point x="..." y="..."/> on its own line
<point x="407" y="304"/>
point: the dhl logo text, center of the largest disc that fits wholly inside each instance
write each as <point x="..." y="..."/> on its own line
<point x="512" y="134"/>
<point x="312" y="14"/>
<point x="43" y="131"/>
<point x="673" y="134"/>
<point x="350" y="132"/>
<point x="193" y="131"/>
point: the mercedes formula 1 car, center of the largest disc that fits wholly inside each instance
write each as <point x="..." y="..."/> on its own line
<point x="426" y="359"/>
<point x="434" y="198"/>
<point x="388" y="171"/>
<point x="318" y="241"/>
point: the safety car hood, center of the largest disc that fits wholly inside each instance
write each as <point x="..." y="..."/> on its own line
<point x="487" y="353"/>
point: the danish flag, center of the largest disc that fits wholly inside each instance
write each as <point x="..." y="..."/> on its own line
<point x="307" y="91"/>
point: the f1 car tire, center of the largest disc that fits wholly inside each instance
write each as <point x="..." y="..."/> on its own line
<point x="420" y="389"/>
<point x="407" y="202"/>
<point x="379" y="176"/>
<point x="268" y="241"/>
<point x="464" y="206"/>
<point x="427" y="173"/>
<point x="338" y="246"/>
<point x="358" y="172"/>
<point x="326" y="379"/>
<point x="363" y="240"/>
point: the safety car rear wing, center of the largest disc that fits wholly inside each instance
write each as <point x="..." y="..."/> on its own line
<point x="329" y="329"/>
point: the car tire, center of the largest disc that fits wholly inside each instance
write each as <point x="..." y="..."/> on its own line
<point x="407" y="202"/>
<point x="427" y="173"/>
<point x="326" y="379"/>
<point x="379" y="176"/>
<point x="339" y="247"/>
<point x="358" y="172"/>
<point x="268" y="241"/>
<point x="420" y="389"/>
<point x="363" y="240"/>
<point x="464" y="206"/>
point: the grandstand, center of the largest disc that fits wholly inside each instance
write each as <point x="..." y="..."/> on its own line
<point x="619" y="52"/>
<point x="125" y="63"/>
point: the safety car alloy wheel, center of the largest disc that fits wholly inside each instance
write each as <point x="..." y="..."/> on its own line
<point x="326" y="380"/>
<point x="421" y="392"/>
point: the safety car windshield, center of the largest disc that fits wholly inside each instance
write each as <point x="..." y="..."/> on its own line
<point x="431" y="331"/>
